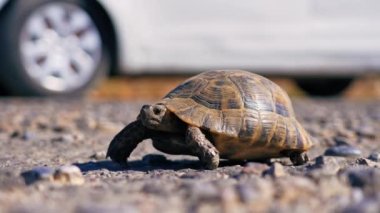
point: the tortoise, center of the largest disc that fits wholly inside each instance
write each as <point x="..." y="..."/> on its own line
<point x="229" y="114"/>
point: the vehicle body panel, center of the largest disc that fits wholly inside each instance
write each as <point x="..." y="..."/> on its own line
<point x="290" y="37"/>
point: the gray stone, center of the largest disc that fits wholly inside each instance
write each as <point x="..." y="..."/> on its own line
<point x="60" y="128"/>
<point x="365" y="206"/>
<point x="343" y="151"/>
<point x="325" y="166"/>
<point x="366" y="178"/>
<point x="38" y="174"/>
<point x="64" y="138"/>
<point x="294" y="188"/>
<point x="276" y="170"/>
<point x="69" y="175"/>
<point x="101" y="155"/>
<point x="365" y="131"/>
<point x="367" y="162"/>
<point x="23" y="135"/>
<point x="254" y="168"/>
<point x="85" y="123"/>
<point x="257" y="193"/>
<point x="204" y="191"/>
<point x="375" y="156"/>
<point x="230" y="200"/>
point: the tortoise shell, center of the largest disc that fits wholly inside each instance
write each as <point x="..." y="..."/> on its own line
<point x="245" y="115"/>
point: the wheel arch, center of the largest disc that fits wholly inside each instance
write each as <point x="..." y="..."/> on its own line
<point x="112" y="39"/>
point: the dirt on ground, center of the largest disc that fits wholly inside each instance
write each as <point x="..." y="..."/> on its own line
<point x="52" y="159"/>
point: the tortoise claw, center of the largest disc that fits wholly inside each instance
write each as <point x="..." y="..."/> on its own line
<point x="210" y="159"/>
<point x="211" y="165"/>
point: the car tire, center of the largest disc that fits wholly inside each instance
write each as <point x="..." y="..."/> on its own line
<point x="324" y="86"/>
<point x="72" y="60"/>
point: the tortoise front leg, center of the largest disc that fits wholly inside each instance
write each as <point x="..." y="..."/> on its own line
<point x="126" y="141"/>
<point x="203" y="148"/>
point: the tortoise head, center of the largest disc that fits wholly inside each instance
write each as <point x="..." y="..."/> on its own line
<point x="158" y="117"/>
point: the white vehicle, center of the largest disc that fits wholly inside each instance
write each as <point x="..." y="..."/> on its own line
<point x="58" y="47"/>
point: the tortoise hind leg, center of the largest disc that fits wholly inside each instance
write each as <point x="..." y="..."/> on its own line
<point x="298" y="158"/>
<point x="203" y="148"/>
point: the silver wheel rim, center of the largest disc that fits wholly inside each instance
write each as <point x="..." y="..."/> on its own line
<point x="60" y="46"/>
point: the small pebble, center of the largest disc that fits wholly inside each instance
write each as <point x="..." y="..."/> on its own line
<point x="276" y="170"/>
<point x="374" y="156"/>
<point x="190" y="175"/>
<point x="364" y="177"/>
<point x="153" y="187"/>
<point x="366" y="205"/>
<point x="325" y="166"/>
<point x="86" y="123"/>
<point x="325" y="160"/>
<point x="246" y="192"/>
<point x="59" y="128"/>
<point x="99" y="155"/>
<point x="343" y="151"/>
<point x="205" y="191"/>
<point x="23" y="135"/>
<point x="367" y="162"/>
<point x="38" y="174"/>
<point x="365" y="131"/>
<point x="64" y="138"/>
<point x="69" y="175"/>
<point x="255" y="168"/>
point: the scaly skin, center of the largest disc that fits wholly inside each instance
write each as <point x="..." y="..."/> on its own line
<point x="203" y="148"/>
<point x="193" y="142"/>
<point x="126" y="141"/>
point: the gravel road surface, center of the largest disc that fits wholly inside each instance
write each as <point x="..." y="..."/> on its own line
<point x="38" y="137"/>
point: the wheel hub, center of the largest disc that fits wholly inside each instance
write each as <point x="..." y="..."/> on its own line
<point x="60" y="46"/>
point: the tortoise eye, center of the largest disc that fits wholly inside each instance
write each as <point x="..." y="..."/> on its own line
<point x="157" y="110"/>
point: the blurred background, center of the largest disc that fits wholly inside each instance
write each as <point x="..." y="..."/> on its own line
<point x="141" y="49"/>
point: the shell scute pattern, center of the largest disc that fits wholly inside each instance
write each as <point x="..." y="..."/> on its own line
<point x="278" y="140"/>
<point x="241" y="106"/>
<point x="250" y="125"/>
<point x="281" y="109"/>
